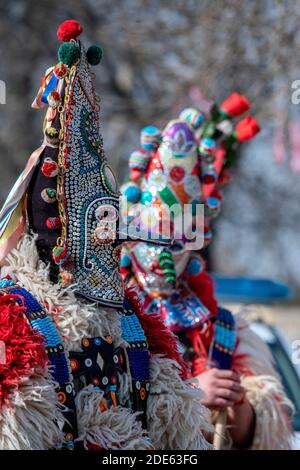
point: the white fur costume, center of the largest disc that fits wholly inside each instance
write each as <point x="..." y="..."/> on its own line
<point x="176" y="419"/>
<point x="264" y="391"/>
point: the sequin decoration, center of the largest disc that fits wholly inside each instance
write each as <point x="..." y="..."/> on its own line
<point x="94" y="268"/>
<point x="139" y="358"/>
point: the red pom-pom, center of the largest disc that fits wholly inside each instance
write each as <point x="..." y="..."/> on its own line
<point x="53" y="223"/>
<point x="247" y="128"/>
<point x="235" y="105"/>
<point x="50" y="168"/>
<point x="68" y="30"/>
<point x="23" y="350"/>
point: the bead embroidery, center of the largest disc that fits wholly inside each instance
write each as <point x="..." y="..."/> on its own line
<point x="82" y="249"/>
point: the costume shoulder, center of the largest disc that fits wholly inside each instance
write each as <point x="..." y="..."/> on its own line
<point x="251" y="352"/>
<point x="264" y="390"/>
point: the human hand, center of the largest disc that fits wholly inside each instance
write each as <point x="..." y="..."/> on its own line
<point x="222" y="388"/>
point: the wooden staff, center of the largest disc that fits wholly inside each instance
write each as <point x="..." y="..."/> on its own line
<point x="220" y="430"/>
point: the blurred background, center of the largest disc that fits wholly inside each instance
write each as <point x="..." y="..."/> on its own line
<point x="161" y="56"/>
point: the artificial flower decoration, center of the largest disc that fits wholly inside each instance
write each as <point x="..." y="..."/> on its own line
<point x="235" y="105"/>
<point x="246" y="129"/>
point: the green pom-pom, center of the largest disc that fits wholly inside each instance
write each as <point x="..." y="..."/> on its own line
<point x="94" y="55"/>
<point x="68" y="53"/>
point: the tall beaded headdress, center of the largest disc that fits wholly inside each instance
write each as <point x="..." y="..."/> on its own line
<point x="72" y="194"/>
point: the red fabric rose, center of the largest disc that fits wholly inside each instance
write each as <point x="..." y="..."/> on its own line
<point x="235" y="105"/>
<point x="246" y="129"/>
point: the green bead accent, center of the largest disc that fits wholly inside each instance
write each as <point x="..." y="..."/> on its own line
<point x="171" y="280"/>
<point x="169" y="271"/>
<point x="166" y="263"/>
<point x="51" y="192"/>
<point x="168" y="197"/>
<point x="68" y="53"/>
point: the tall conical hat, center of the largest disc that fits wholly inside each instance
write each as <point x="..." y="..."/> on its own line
<point x="72" y="193"/>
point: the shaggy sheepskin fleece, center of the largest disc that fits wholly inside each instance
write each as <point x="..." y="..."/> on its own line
<point x="264" y="390"/>
<point x="176" y="419"/>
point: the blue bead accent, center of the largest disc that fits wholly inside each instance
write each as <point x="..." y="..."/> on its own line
<point x="209" y="143"/>
<point x="139" y="364"/>
<point x="225" y="337"/>
<point x="213" y="202"/>
<point x="132" y="331"/>
<point x="32" y="305"/>
<point x="46" y="327"/>
<point x="132" y="193"/>
<point x="6" y="283"/>
<point x="59" y="368"/>
<point x="125" y="261"/>
<point x="194" y="267"/>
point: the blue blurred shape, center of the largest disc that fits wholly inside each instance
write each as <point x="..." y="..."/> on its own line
<point x="250" y="290"/>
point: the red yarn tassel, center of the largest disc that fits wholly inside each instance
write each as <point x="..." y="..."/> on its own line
<point x="23" y="352"/>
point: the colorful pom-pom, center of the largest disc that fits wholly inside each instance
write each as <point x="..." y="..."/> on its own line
<point x="60" y="70"/>
<point x="69" y="29"/>
<point x="193" y="117"/>
<point x="139" y="160"/>
<point x="132" y="193"/>
<point x="207" y="149"/>
<point x="212" y="207"/>
<point x="59" y="254"/>
<point x="49" y="168"/>
<point x="54" y="99"/>
<point x="150" y="137"/>
<point x="53" y="223"/>
<point x="68" y="53"/>
<point x="209" y="174"/>
<point x="94" y="55"/>
<point x="49" y="195"/>
<point x="52" y="135"/>
<point x="65" y="278"/>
